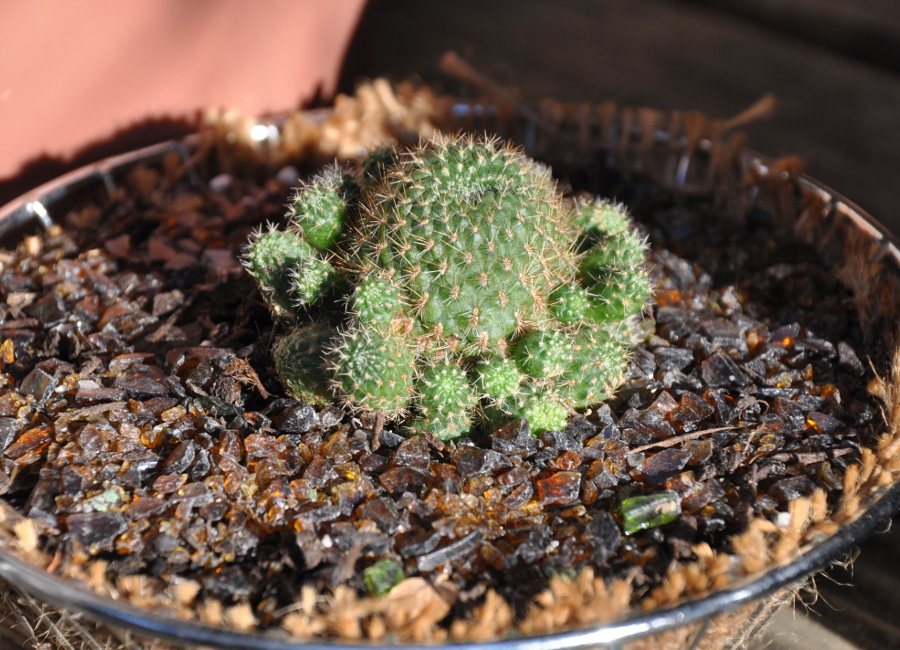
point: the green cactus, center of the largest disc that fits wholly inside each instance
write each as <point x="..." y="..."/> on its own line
<point x="497" y="377"/>
<point x="446" y="400"/>
<point x="273" y="259"/>
<point x="543" y="353"/>
<point x="600" y="219"/>
<point x="596" y="366"/>
<point x="543" y="409"/>
<point x="311" y="280"/>
<point x="376" y="302"/>
<point x="376" y="163"/>
<point x="475" y="290"/>
<point x="569" y="303"/>
<point x="374" y="371"/>
<point x="324" y="207"/>
<point x="300" y="362"/>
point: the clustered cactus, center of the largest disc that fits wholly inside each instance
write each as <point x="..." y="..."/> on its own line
<point x="451" y="283"/>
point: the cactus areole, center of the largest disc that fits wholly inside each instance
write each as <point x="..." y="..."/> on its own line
<point x="451" y="284"/>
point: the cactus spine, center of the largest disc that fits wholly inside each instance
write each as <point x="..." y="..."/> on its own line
<point x="473" y="287"/>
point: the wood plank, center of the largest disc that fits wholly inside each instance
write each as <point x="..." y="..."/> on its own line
<point x="867" y="30"/>
<point x="839" y="114"/>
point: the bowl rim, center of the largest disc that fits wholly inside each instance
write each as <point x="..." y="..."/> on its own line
<point x="35" y="205"/>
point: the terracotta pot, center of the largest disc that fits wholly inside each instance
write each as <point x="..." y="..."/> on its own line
<point x="77" y="71"/>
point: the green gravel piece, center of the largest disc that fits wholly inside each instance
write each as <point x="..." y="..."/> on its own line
<point x="383" y="576"/>
<point x="649" y="511"/>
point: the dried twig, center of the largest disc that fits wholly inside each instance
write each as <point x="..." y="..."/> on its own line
<point x="454" y="65"/>
<point x="808" y="458"/>
<point x="241" y="370"/>
<point x="671" y="442"/>
<point x="760" y="109"/>
<point x="90" y="410"/>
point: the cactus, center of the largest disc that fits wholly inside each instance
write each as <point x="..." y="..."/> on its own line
<point x="474" y="289"/>
<point x="497" y="377"/>
<point x="299" y="360"/>
<point x="376" y="302"/>
<point x="446" y="400"/>
<point x="543" y="353"/>
<point x="374" y="371"/>
<point x="323" y="208"/>
<point x="544" y="412"/>
<point x="273" y="260"/>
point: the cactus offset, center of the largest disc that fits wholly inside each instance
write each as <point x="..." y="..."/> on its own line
<point x="273" y="259"/>
<point x="376" y="302"/>
<point x="446" y="400"/>
<point x="300" y="362"/>
<point x="474" y="290"/>
<point x="374" y="371"/>
<point x="497" y="377"/>
<point x="324" y="207"/>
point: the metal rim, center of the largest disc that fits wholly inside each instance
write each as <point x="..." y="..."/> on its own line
<point x="34" y="206"/>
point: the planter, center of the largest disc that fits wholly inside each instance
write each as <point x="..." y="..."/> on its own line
<point x="682" y="155"/>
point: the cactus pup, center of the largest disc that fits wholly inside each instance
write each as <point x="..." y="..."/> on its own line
<point x="451" y="283"/>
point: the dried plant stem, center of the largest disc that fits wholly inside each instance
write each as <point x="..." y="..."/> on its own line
<point x="453" y="64"/>
<point x="671" y="442"/>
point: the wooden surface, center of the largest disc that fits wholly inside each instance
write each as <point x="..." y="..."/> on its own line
<point x="75" y="72"/>
<point x="842" y="115"/>
<point x="867" y="30"/>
